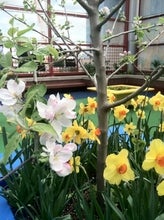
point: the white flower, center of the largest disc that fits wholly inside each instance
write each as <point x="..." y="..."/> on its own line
<point x="59" y="157"/>
<point x="104" y="11"/>
<point x="13" y="93"/>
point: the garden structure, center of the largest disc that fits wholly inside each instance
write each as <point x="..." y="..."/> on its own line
<point x="68" y="73"/>
<point x="94" y="156"/>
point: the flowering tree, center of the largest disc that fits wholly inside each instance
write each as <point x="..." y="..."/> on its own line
<point x="58" y="113"/>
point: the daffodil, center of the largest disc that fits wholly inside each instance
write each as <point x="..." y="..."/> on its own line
<point x="142" y="100"/>
<point x="76" y="132"/>
<point x="93" y="132"/>
<point x="111" y="97"/>
<point x="161" y="127"/>
<point x="75" y="163"/>
<point x="129" y="128"/>
<point x="155" y="157"/>
<point x="141" y="114"/>
<point x="133" y="103"/>
<point x="92" y="105"/>
<point x="83" y="109"/>
<point x="160" y="189"/>
<point x="120" y="112"/>
<point x="118" y="168"/>
<point x="157" y="102"/>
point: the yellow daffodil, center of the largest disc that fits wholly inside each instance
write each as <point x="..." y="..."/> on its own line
<point x="142" y="100"/>
<point x="129" y="128"/>
<point x="120" y="112"/>
<point x="155" y="157"/>
<point x="161" y="127"/>
<point x="157" y="102"/>
<point x="30" y="122"/>
<point x="83" y="109"/>
<point x="68" y="96"/>
<point x="160" y="189"/>
<point x="111" y="97"/>
<point x="75" y="132"/>
<point x="118" y="168"/>
<point x="93" y="132"/>
<point x="92" y="105"/>
<point x="75" y="163"/>
<point x="141" y="114"/>
<point x="23" y="130"/>
<point x="134" y="103"/>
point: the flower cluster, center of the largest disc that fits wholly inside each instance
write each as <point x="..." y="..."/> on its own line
<point x="135" y="126"/>
<point x="55" y="121"/>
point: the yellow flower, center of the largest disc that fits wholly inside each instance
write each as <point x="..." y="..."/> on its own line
<point x="134" y="103"/>
<point x="155" y="157"/>
<point x="75" y="163"/>
<point x="118" y="168"/>
<point x="120" y="112"/>
<point x="111" y="97"/>
<point x="92" y="105"/>
<point x="141" y="114"/>
<point x="75" y="132"/>
<point x="161" y="127"/>
<point x="21" y="131"/>
<point x="160" y="189"/>
<point x="30" y="121"/>
<point x="24" y="130"/>
<point x="83" y="109"/>
<point x="93" y="132"/>
<point x="129" y="128"/>
<point x="157" y="102"/>
<point x="142" y="100"/>
<point x="68" y="96"/>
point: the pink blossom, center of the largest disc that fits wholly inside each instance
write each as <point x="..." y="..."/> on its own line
<point x="59" y="157"/>
<point x="59" y="112"/>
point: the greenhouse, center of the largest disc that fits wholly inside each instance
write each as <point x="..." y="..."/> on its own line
<point x="81" y="110"/>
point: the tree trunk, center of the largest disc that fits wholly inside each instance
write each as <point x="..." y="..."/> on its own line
<point x="99" y="61"/>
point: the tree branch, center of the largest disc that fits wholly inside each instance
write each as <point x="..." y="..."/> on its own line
<point x="116" y="8"/>
<point x="154" y="76"/>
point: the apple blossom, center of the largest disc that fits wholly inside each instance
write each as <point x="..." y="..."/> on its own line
<point x="10" y="95"/>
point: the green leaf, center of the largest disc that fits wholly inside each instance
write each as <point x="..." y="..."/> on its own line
<point x="27" y="67"/>
<point x="33" y="94"/>
<point x="160" y="217"/>
<point x="43" y="128"/>
<point x="22" y="32"/>
<point x="12" y="145"/>
<point x="12" y="31"/>
<point x="6" y="60"/>
<point x="8" y="44"/>
<point x="52" y="51"/>
<point x="2" y="80"/>
<point x="66" y="217"/>
<point x="36" y="90"/>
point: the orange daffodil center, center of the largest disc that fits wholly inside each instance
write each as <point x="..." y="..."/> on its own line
<point x="122" y="169"/>
<point x="160" y="160"/>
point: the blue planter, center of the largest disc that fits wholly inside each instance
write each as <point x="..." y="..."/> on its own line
<point x="5" y="211"/>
